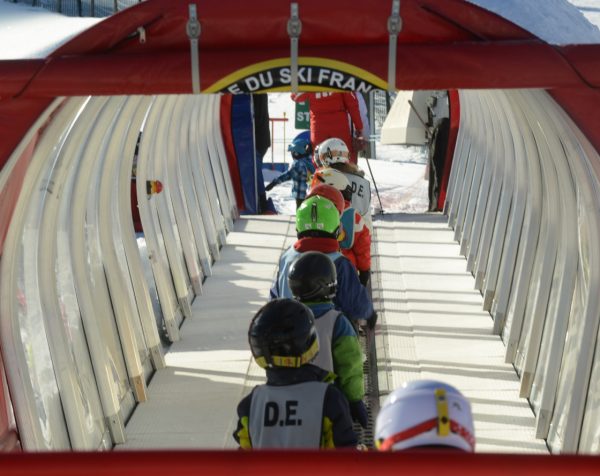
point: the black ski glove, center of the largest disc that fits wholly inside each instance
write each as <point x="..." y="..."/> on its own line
<point x="364" y="276"/>
<point x="359" y="413"/>
<point x="372" y="320"/>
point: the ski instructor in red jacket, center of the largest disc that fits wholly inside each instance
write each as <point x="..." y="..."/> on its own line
<point x="332" y="115"/>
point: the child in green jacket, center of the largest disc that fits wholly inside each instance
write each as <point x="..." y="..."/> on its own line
<point x="313" y="280"/>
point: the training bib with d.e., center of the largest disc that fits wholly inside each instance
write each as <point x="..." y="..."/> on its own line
<point x="289" y="416"/>
<point x="361" y="193"/>
<point x="325" y="325"/>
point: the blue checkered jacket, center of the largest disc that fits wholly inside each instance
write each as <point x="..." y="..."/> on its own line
<point x="298" y="172"/>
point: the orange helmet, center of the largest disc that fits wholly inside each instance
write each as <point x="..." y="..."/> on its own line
<point x="330" y="192"/>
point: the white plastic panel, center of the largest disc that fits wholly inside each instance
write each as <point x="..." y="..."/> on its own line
<point x="154" y="238"/>
<point x="103" y="339"/>
<point x="590" y="431"/>
<point x="543" y="272"/>
<point x="542" y="255"/>
<point x="470" y="162"/>
<point x="68" y="345"/>
<point x="161" y="169"/>
<point x="581" y="365"/>
<point x="559" y="306"/>
<point x="505" y="155"/>
<point x="581" y="334"/>
<point x="201" y="187"/>
<point x="176" y="154"/>
<point x="197" y="233"/>
<point x="92" y="219"/>
<point x="25" y="346"/>
<point x="480" y="184"/>
<point x="529" y="234"/>
<point x="212" y="188"/>
<point x="114" y="203"/>
<point x="515" y="224"/>
<point x="130" y="261"/>
<point x="491" y="210"/>
<point x="459" y="160"/>
<point x="78" y="321"/>
<point x="486" y="151"/>
<point x="102" y="215"/>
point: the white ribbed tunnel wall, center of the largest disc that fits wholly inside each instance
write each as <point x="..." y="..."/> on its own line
<point x="522" y="199"/>
<point x="80" y="353"/>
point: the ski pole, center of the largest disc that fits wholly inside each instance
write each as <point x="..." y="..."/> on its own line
<point x="428" y="130"/>
<point x="375" y="185"/>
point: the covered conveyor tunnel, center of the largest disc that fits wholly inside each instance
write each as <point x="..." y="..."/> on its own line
<point x="87" y="316"/>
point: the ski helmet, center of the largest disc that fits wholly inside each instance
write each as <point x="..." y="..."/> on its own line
<point x="283" y="334"/>
<point x="336" y="179"/>
<point x="317" y="216"/>
<point x="332" y="151"/>
<point x="425" y="413"/>
<point x="313" y="277"/>
<point x="331" y="193"/>
<point x="301" y="146"/>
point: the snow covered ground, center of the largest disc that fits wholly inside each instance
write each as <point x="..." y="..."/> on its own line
<point x="399" y="176"/>
<point x="558" y="22"/>
<point x="33" y="32"/>
<point x="397" y="171"/>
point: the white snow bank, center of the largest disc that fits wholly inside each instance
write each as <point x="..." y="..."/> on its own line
<point x="558" y="22"/>
<point x="32" y="32"/>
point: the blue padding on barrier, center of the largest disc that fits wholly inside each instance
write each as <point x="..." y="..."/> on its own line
<point x="242" y="131"/>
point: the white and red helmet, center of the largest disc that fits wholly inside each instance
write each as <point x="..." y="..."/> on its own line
<point x="425" y="413"/>
<point x="335" y="178"/>
<point x="332" y="151"/>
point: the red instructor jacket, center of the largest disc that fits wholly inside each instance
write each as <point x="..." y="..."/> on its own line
<point x="330" y="114"/>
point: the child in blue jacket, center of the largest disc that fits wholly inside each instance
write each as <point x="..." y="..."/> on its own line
<point x="302" y="166"/>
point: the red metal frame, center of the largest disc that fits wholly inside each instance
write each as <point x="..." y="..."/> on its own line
<point x="295" y="463"/>
<point x="444" y="44"/>
<point x="9" y="438"/>
<point x="225" y="119"/>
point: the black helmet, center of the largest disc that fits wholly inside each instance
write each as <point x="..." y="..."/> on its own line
<point x="312" y="277"/>
<point x="283" y="334"/>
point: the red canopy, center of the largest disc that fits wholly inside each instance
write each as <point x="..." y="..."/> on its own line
<point x="442" y="44"/>
<point x="245" y="46"/>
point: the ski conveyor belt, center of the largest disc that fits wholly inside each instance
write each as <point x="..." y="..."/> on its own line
<point x="431" y="325"/>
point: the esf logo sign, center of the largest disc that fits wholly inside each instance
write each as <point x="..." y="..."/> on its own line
<point x="275" y="74"/>
<point x="287" y="417"/>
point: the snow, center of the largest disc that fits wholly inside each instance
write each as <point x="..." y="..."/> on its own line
<point x="33" y="32"/>
<point x="399" y="172"/>
<point x="558" y="22"/>
<point x="590" y="9"/>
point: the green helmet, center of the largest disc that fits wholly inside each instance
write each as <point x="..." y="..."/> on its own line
<point x="317" y="216"/>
